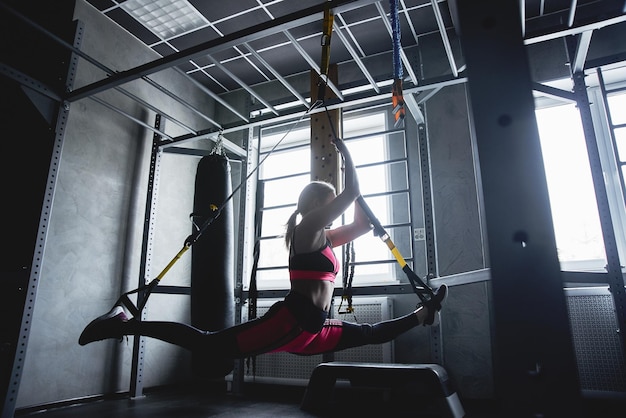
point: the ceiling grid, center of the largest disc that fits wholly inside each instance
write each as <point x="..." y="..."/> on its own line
<point x="246" y="44"/>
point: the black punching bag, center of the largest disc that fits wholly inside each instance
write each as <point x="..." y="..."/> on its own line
<point x="212" y="261"/>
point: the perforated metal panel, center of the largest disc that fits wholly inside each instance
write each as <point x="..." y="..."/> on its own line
<point x="292" y="369"/>
<point x="368" y="310"/>
<point x="596" y="341"/>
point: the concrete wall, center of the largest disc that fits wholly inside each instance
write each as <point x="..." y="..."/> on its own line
<point x="95" y="232"/>
<point x="459" y="242"/>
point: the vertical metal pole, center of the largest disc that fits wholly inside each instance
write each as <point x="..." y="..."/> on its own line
<point x="436" y="342"/>
<point x="246" y="203"/>
<point x="427" y="196"/>
<point x="615" y="277"/>
<point x="8" y="408"/>
<point x="136" y="379"/>
<point x="535" y="366"/>
<point x="35" y="268"/>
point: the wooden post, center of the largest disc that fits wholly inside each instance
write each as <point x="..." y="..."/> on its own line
<point x="326" y="163"/>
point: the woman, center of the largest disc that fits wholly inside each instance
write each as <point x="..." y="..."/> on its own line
<point x="298" y="324"/>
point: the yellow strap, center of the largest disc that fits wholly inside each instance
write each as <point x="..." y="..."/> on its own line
<point x="174" y="260"/>
<point x="395" y="252"/>
<point x="327" y="32"/>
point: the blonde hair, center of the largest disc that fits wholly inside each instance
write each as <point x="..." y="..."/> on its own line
<point x="308" y="200"/>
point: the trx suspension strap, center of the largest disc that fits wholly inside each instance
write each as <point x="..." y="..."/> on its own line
<point x="325" y="64"/>
<point x="397" y="98"/>
<point x="143" y="292"/>
<point x="419" y="287"/>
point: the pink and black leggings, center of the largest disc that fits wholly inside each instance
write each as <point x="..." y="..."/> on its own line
<point x="292" y="325"/>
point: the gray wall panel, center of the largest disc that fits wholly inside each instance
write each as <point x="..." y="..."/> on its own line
<point x="94" y="242"/>
<point x="466" y="336"/>
<point x="457" y="226"/>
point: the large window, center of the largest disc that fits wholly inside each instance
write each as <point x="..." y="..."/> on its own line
<point x="617" y="112"/>
<point x="380" y="158"/>
<point x="570" y="186"/>
<point x="577" y="227"/>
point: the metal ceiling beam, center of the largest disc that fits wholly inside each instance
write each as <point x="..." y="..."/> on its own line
<point x="574" y="30"/>
<point x="179" y="100"/>
<point x="423" y="92"/>
<point x="194" y="135"/>
<point x="276" y="74"/>
<point x="292" y="20"/>
<point x="582" y="48"/>
<point x="411" y="103"/>
<point x="559" y="94"/>
<point x="252" y="64"/>
<point x="203" y="69"/>
<point x="129" y="116"/>
<point x="242" y="84"/>
<point x="108" y="71"/>
<point x="409" y="21"/>
<point x="155" y="110"/>
<point x="355" y="57"/>
<point x="29" y="82"/>
<point x="314" y="65"/>
<point x="424" y="96"/>
<point x="347" y="28"/>
<point x="444" y="37"/>
<point x="355" y="100"/>
<point x="174" y="146"/>
<point x="210" y="93"/>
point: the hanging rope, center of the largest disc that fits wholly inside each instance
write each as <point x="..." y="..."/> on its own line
<point x="418" y="286"/>
<point x="327" y="32"/>
<point x="397" y="97"/>
<point x="348" y="276"/>
<point x="326" y="36"/>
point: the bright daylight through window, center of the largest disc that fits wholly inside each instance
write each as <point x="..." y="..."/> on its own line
<point x="380" y="158"/>
<point x="577" y="227"/>
<point x="382" y="167"/>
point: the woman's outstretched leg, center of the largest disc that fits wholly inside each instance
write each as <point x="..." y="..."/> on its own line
<point x="356" y="335"/>
<point x="115" y="324"/>
<point x="276" y="328"/>
<point x="338" y="335"/>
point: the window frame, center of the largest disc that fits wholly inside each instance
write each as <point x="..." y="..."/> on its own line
<point x="393" y="274"/>
<point x="610" y="166"/>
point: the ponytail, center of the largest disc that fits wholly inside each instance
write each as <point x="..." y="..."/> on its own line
<point x="290" y="226"/>
<point x="309" y="198"/>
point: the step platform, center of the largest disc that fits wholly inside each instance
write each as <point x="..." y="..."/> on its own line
<point x="416" y="380"/>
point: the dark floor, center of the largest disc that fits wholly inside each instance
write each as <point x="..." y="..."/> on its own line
<point x="276" y="401"/>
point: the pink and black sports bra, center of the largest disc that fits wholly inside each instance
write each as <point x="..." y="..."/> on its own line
<point x="316" y="265"/>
